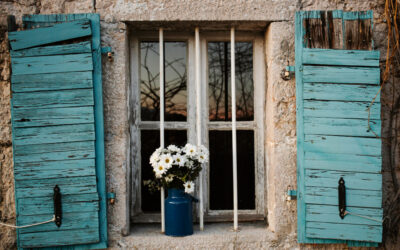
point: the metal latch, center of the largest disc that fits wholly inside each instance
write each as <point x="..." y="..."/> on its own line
<point x="291" y="195"/>
<point x="342" y="198"/>
<point x="57" y="206"/>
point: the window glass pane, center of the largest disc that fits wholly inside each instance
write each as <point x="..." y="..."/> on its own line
<point x="219" y="81"/>
<point x="150" y="141"/>
<point x="175" y="81"/>
<point x="221" y="175"/>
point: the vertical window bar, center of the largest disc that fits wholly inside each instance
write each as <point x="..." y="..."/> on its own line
<point x="162" y="89"/>
<point x="234" y="156"/>
<point x="198" y="121"/>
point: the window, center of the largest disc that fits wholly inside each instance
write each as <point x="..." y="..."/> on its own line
<point x="180" y="117"/>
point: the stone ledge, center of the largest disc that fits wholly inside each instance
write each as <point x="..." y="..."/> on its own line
<point x="252" y="235"/>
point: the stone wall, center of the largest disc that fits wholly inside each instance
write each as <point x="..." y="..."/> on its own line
<point x="280" y="107"/>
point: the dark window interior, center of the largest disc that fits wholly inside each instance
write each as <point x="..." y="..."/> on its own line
<point x="221" y="175"/>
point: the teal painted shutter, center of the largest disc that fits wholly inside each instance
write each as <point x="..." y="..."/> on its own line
<point x="57" y="124"/>
<point x="334" y="89"/>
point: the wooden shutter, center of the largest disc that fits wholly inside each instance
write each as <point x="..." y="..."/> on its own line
<point x="337" y="77"/>
<point x="57" y="127"/>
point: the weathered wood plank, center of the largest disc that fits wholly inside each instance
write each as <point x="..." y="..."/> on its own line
<point x="353" y="180"/>
<point x="344" y="231"/>
<point x="330" y="214"/>
<point x="341" y="92"/>
<point x="73" y="48"/>
<point x="341" y="57"/>
<point x="54" y="151"/>
<point x="53" y="116"/>
<point x="54" y="134"/>
<point x="354" y="197"/>
<point x="44" y="187"/>
<point x="58" y="32"/>
<point x="52" y="81"/>
<point x="337" y="74"/>
<point x="342" y="145"/>
<point x="54" y="169"/>
<point x="71" y="203"/>
<point x="60" y="238"/>
<point x="54" y="99"/>
<point x="51" y="64"/>
<point x="50" y="183"/>
<point x="358" y="34"/>
<point x="70" y="221"/>
<point x="338" y="126"/>
<point x="340" y="109"/>
<point x="343" y="162"/>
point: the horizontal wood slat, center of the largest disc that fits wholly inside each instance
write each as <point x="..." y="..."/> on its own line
<point x="343" y="162"/>
<point x="344" y="231"/>
<point x="53" y="116"/>
<point x="53" y="99"/>
<point x="353" y="180"/>
<point x="338" y="126"/>
<point x="44" y="187"/>
<point x="51" y="64"/>
<point x="71" y="203"/>
<point x="341" y="57"/>
<point x="73" y="48"/>
<point x="52" y="81"/>
<point x="54" y="151"/>
<point x="354" y="197"/>
<point x="70" y="221"/>
<point x="342" y="145"/>
<point x="331" y="74"/>
<point x="55" y="169"/>
<point x="341" y="92"/>
<point x="56" y="33"/>
<point x="60" y="238"/>
<point x="324" y="213"/>
<point x="54" y="134"/>
<point x="335" y="109"/>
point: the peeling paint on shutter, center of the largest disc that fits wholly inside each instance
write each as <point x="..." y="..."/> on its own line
<point x="334" y="89"/>
<point x="57" y="124"/>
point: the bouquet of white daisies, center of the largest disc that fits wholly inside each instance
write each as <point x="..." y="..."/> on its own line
<point x="176" y="167"/>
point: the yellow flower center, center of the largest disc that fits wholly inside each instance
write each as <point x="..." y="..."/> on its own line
<point x="188" y="185"/>
<point x="191" y="151"/>
<point x="201" y="157"/>
<point x="160" y="167"/>
<point x="166" y="160"/>
<point x="178" y="160"/>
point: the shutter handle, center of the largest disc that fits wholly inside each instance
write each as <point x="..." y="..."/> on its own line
<point x="342" y="198"/>
<point x="57" y="206"/>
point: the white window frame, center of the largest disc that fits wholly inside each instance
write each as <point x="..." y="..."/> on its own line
<point x="257" y="125"/>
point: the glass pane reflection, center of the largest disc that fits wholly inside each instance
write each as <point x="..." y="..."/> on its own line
<point x="219" y="81"/>
<point x="175" y="81"/>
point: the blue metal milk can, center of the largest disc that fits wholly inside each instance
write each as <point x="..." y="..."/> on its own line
<point x="178" y="213"/>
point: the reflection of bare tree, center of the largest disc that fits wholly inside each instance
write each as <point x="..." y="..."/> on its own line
<point x="219" y="92"/>
<point x="175" y="82"/>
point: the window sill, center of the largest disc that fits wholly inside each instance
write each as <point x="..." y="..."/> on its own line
<point x="252" y="235"/>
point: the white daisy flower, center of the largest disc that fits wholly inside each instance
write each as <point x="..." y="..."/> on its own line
<point x="202" y="157"/>
<point x="159" y="170"/>
<point x="174" y="148"/>
<point x="155" y="157"/>
<point x="166" y="160"/>
<point x="169" y="178"/>
<point x="189" y="187"/>
<point x="203" y="149"/>
<point x="190" y="150"/>
<point x="179" y="160"/>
